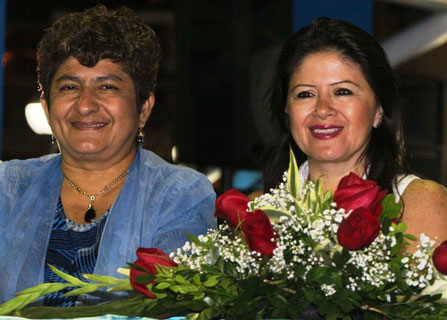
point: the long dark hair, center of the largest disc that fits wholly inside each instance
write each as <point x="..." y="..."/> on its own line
<point x="384" y="153"/>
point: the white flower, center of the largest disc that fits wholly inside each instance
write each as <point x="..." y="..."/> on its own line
<point x="424" y="239"/>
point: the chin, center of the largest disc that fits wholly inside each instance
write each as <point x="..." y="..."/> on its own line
<point x="88" y="149"/>
<point x="328" y="157"/>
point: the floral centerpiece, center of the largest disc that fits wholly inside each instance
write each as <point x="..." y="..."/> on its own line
<point x="294" y="252"/>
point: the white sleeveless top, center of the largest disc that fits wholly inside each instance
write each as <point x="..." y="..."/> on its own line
<point x="402" y="180"/>
<point x="402" y="183"/>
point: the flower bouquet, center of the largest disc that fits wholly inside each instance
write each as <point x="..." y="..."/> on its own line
<point x="295" y="252"/>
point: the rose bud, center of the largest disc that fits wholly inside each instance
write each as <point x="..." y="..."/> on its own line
<point x="359" y="230"/>
<point x="258" y="232"/>
<point x="147" y="259"/>
<point x="354" y="192"/>
<point x="440" y="258"/>
<point x="232" y="206"/>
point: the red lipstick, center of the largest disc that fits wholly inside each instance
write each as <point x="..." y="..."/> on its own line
<point x="325" y="132"/>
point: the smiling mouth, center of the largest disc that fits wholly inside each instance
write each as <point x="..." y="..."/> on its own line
<point x="325" y="132"/>
<point x="88" y="125"/>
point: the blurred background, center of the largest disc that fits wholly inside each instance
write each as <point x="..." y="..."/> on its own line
<point x="218" y="57"/>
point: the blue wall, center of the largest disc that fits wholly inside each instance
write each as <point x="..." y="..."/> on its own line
<point x="358" y="12"/>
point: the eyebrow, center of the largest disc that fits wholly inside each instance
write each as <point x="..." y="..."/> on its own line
<point x="332" y="84"/>
<point x="302" y="85"/>
<point x="345" y="81"/>
<point x="106" y="77"/>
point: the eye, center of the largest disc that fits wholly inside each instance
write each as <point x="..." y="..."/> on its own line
<point x="343" y="92"/>
<point x="108" y="87"/>
<point x="304" y="94"/>
<point x="67" y="87"/>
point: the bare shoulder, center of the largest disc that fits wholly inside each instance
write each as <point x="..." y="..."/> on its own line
<point x="428" y="190"/>
<point x="425" y="209"/>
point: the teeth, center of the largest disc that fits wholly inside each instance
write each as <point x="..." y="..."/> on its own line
<point x="89" y="125"/>
<point x="332" y="130"/>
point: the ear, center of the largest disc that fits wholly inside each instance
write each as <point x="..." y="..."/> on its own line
<point x="146" y="109"/>
<point x="44" y="104"/>
<point x="378" y="117"/>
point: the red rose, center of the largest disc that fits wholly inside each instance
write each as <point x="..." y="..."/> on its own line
<point x="354" y="192"/>
<point x="358" y="230"/>
<point x="232" y="207"/>
<point x="147" y="259"/>
<point x="258" y="232"/>
<point x="440" y="258"/>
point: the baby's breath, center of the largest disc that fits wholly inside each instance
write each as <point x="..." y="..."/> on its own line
<point x="419" y="270"/>
<point x="232" y="249"/>
<point x="306" y="238"/>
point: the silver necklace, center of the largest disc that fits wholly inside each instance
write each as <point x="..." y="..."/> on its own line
<point x="90" y="213"/>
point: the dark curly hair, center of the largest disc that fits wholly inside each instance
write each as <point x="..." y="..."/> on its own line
<point x="385" y="151"/>
<point x="99" y="33"/>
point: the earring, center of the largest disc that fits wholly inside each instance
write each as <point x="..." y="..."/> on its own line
<point x="140" y="136"/>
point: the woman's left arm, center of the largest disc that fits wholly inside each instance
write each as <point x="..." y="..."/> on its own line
<point x="425" y="209"/>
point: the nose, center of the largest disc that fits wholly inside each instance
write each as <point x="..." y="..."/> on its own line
<point x="324" y="108"/>
<point x="86" y="102"/>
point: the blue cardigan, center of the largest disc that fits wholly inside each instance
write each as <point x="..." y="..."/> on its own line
<point x="158" y="205"/>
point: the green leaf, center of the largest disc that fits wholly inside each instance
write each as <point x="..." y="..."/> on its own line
<point x="129" y="306"/>
<point x="180" y="279"/>
<point x="386" y="226"/>
<point x="194" y="239"/>
<point x="401" y="227"/>
<point x="212" y="281"/>
<point x="162" y="285"/>
<point x="274" y="214"/>
<point x="102" y="279"/>
<point x="391" y="209"/>
<point x="144" y="278"/>
<point x="138" y="268"/>
<point x="67" y="277"/>
<point x="160" y="295"/>
<point x="175" y="288"/>
<point x="123" y="286"/>
<point x="318" y="273"/>
<point x="196" y="279"/>
<point x="18" y="303"/>
<point x="293" y="177"/>
<point x="410" y="237"/>
<point x="27" y="296"/>
<point x="45" y="288"/>
<point x="212" y="256"/>
<point x="86" y="289"/>
<point x="278" y="301"/>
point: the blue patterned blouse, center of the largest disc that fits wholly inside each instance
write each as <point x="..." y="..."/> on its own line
<point x="73" y="248"/>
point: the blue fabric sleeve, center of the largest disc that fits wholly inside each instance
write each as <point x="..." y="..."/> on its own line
<point x="188" y="210"/>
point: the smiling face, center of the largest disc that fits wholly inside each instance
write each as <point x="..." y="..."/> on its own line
<point x="332" y="109"/>
<point x="93" y="111"/>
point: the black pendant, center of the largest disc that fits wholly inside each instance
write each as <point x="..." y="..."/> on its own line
<point x="90" y="214"/>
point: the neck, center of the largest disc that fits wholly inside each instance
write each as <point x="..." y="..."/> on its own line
<point x="330" y="174"/>
<point x="93" y="176"/>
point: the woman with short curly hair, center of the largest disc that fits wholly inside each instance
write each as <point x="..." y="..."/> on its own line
<point x="88" y="209"/>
